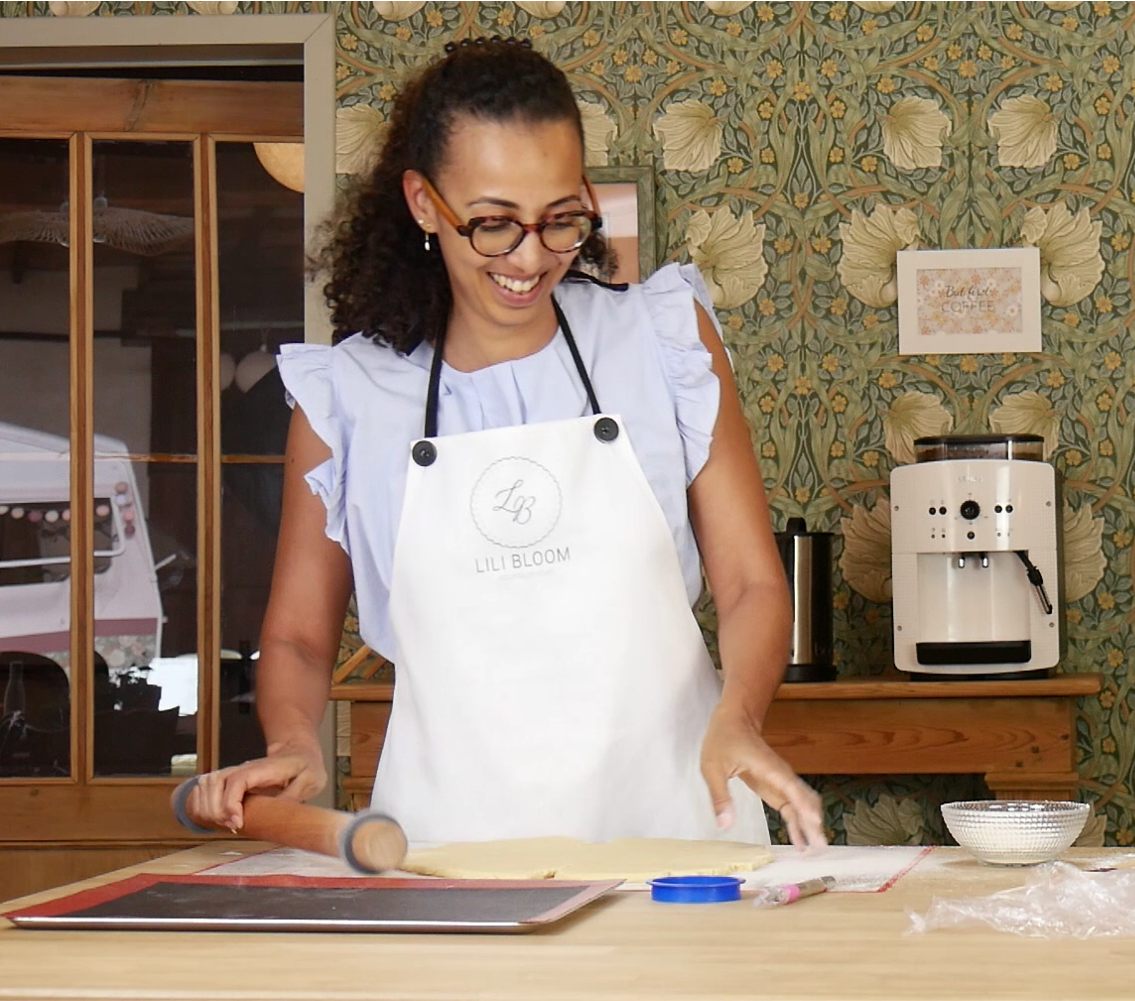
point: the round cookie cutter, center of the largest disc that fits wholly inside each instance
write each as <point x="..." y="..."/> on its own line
<point x="695" y="889"/>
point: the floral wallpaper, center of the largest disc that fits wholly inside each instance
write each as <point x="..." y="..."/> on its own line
<point x="796" y="149"/>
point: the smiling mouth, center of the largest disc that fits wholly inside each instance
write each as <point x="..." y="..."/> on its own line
<point x="517" y="286"/>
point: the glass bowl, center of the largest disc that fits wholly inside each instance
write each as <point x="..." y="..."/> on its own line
<point x="1015" y="832"/>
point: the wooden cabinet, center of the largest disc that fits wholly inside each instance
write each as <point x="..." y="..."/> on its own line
<point x="369" y="720"/>
<point x="1019" y="735"/>
<point x="132" y="205"/>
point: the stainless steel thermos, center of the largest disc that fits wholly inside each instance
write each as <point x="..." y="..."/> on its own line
<point x="807" y="559"/>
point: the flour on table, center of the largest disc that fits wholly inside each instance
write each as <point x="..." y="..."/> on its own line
<point x="633" y="859"/>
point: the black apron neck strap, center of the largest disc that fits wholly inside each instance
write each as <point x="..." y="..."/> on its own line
<point x="433" y="390"/>
<point x="579" y="366"/>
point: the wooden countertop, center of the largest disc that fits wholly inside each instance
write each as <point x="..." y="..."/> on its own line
<point x="838" y="945"/>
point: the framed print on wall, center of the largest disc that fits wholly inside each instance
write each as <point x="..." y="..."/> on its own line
<point x="627" y="205"/>
<point x="969" y="301"/>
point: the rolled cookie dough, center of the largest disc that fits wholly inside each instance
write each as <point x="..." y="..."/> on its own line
<point x="633" y="859"/>
<point x="520" y="858"/>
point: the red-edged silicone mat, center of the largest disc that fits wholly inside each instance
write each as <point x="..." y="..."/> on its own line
<point x="298" y="903"/>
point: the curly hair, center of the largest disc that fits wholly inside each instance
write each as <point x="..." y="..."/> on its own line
<point x="381" y="281"/>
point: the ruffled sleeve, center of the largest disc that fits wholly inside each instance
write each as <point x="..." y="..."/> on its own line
<point x="670" y="294"/>
<point x="308" y="375"/>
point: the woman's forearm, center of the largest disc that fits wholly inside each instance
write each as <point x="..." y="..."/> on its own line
<point x="292" y="688"/>
<point x="754" y="640"/>
<point x="311" y="587"/>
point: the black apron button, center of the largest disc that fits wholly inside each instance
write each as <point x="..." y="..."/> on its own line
<point x="606" y="429"/>
<point x="424" y="453"/>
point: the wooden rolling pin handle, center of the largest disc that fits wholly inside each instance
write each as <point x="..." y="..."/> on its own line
<point x="369" y="842"/>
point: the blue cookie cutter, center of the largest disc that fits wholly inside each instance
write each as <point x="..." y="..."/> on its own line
<point x="695" y="889"/>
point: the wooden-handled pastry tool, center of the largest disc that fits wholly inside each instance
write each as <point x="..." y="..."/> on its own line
<point x="368" y="842"/>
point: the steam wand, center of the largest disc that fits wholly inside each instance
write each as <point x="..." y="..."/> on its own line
<point x="1036" y="580"/>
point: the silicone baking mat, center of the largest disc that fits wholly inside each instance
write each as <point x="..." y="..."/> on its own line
<point x="295" y="903"/>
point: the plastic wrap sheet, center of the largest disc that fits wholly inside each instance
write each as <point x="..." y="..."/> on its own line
<point x="1058" y="900"/>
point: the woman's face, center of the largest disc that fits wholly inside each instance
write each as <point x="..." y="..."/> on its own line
<point x="522" y="170"/>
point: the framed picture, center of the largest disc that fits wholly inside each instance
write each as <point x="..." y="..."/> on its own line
<point x="627" y="205"/>
<point x="969" y="301"/>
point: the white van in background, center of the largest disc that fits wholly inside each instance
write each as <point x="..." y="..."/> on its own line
<point x="35" y="553"/>
<point x="145" y="705"/>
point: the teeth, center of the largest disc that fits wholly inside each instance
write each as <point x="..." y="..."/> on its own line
<point x="515" y="284"/>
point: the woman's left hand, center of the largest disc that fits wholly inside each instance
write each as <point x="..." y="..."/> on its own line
<point x="734" y="747"/>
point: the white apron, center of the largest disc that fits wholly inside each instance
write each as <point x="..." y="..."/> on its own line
<point x="551" y="677"/>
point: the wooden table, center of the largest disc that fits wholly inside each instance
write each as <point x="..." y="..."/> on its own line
<point x="838" y="945"/>
<point x="1019" y="735"/>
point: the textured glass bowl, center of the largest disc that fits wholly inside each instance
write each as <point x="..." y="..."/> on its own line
<point x="1015" y="832"/>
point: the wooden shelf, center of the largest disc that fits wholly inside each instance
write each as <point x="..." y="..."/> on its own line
<point x="362" y="691"/>
<point x="1020" y="735"/>
<point x="850" y="688"/>
<point x="900" y="688"/>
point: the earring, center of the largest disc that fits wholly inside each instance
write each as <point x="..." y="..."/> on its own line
<point x="426" y="244"/>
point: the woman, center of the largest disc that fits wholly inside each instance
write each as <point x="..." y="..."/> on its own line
<point x="518" y="469"/>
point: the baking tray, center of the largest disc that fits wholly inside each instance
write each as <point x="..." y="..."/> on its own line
<point x="297" y="903"/>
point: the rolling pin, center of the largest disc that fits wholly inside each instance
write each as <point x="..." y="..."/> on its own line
<point x="367" y="841"/>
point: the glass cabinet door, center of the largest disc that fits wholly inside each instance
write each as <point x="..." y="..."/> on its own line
<point x="35" y="480"/>
<point x="260" y="267"/>
<point x="145" y="675"/>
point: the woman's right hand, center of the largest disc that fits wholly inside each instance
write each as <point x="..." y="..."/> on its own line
<point x="293" y="768"/>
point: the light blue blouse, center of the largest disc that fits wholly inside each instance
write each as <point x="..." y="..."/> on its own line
<point x="367" y="403"/>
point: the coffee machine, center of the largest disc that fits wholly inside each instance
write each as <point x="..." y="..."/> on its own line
<point x="976" y="563"/>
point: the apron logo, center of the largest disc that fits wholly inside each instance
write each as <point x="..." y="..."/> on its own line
<point x="516" y="502"/>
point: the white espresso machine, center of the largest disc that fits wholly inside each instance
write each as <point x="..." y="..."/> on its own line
<point x="976" y="558"/>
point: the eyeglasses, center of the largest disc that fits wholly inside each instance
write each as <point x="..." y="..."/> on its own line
<point x="498" y="235"/>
